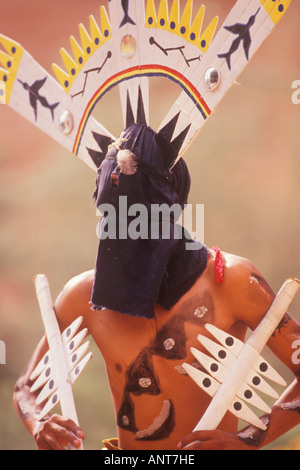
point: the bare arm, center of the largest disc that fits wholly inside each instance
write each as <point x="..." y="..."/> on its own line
<point x="53" y="432"/>
<point x="251" y="298"/>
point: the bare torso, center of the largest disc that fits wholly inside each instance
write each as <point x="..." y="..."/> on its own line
<point x="155" y="402"/>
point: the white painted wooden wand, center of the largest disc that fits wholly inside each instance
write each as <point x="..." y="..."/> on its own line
<point x="54" y="338"/>
<point x="247" y="358"/>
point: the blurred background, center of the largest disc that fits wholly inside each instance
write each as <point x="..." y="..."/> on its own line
<point x="245" y="169"/>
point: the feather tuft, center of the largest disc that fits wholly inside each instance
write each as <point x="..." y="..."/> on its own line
<point x="127" y="162"/>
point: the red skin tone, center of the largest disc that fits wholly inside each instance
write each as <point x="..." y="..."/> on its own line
<point x="237" y="303"/>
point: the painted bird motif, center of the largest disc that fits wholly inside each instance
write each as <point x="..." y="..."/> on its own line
<point x="35" y="97"/>
<point x="243" y="32"/>
<point x="126" y="19"/>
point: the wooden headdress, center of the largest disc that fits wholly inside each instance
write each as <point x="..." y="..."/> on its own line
<point x="132" y="43"/>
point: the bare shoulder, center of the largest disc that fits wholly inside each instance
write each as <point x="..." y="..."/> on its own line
<point x="74" y="299"/>
<point x="245" y="289"/>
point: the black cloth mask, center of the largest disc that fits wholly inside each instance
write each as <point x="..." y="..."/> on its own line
<point x="134" y="273"/>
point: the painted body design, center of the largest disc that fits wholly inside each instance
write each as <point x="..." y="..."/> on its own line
<point x="35" y="97"/>
<point x="243" y="33"/>
<point x="141" y="378"/>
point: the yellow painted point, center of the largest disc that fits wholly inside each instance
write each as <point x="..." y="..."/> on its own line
<point x="196" y="27"/>
<point x="163" y="15"/>
<point x="70" y="64"/>
<point x="96" y="34"/>
<point x="63" y="78"/>
<point x="207" y="37"/>
<point x="186" y="19"/>
<point x="86" y="41"/>
<point x="77" y="51"/>
<point x="175" y="17"/>
<point x="150" y="14"/>
<point x="105" y="24"/>
<point x="275" y="10"/>
<point x="2" y="93"/>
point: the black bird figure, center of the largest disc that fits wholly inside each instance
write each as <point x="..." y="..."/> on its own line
<point x="243" y="32"/>
<point x="126" y="19"/>
<point x="35" y="97"/>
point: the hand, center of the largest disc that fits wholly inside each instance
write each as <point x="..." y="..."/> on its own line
<point x="56" y="433"/>
<point x="212" y="440"/>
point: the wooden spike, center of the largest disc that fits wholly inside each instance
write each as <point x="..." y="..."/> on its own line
<point x="70" y="64"/>
<point x="207" y="37"/>
<point x="86" y="41"/>
<point x="196" y="27"/>
<point x="96" y="34"/>
<point x="71" y="330"/>
<point x="209" y="385"/>
<point x="105" y="24"/>
<point x="75" y="342"/>
<point x="185" y="21"/>
<point x="77" y="51"/>
<point x="235" y="346"/>
<point x="175" y="17"/>
<point x="151" y="20"/>
<point x="227" y="358"/>
<point x="62" y="77"/>
<point x="77" y="371"/>
<point x="219" y="372"/>
<point x="163" y="15"/>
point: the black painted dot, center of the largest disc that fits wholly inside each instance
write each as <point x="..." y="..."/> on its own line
<point x="214" y="367"/>
<point x="8" y="64"/>
<point x="229" y="341"/>
<point x="150" y="20"/>
<point x="183" y="30"/>
<point x="193" y="36"/>
<point x="73" y="71"/>
<point x="222" y="354"/>
<point x="237" y="406"/>
<point x="256" y="380"/>
<point x="263" y="367"/>
<point x="106" y="33"/>
<point x="80" y="60"/>
<point x="206" y="383"/>
<point x="66" y="83"/>
<point x="248" y="394"/>
<point x="280" y="8"/>
<point x="13" y="50"/>
<point x="172" y="25"/>
<point x="97" y="40"/>
<point x="109" y="54"/>
<point x="5" y="78"/>
<point x="162" y="22"/>
<point x="88" y="50"/>
<point x="203" y="43"/>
